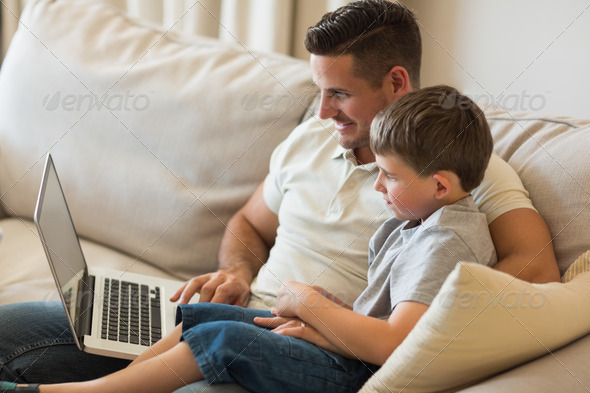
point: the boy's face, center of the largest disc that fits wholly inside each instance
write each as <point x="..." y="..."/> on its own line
<point x="347" y="99"/>
<point x="409" y="196"/>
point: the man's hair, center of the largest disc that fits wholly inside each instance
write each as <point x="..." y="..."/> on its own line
<point x="435" y="129"/>
<point x="379" y="35"/>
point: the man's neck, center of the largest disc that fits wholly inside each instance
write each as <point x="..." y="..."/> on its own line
<point x="364" y="155"/>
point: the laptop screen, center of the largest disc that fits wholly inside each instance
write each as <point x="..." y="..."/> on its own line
<point x="61" y="244"/>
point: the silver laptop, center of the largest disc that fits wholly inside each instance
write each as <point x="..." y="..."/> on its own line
<point x="111" y="313"/>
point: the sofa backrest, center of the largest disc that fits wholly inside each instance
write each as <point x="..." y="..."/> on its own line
<point x="551" y="157"/>
<point x="158" y="137"/>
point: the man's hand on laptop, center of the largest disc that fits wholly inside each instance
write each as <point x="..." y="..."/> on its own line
<point x="217" y="287"/>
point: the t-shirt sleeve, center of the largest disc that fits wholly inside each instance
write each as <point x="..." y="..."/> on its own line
<point x="500" y="191"/>
<point x="272" y="190"/>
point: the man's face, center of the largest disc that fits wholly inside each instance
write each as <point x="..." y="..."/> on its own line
<point x="349" y="100"/>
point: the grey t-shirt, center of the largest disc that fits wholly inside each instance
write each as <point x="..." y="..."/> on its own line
<point x="410" y="262"/>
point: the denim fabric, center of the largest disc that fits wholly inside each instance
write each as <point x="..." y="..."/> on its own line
<point x="230" y="348"/>
<point x="36" y="346"/>
<point x="206" y="387"/>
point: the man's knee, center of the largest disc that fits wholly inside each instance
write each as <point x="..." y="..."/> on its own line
<point x="37" y="346"/>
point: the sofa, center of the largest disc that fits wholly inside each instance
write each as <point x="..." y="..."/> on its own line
<point x="159" y="138"/>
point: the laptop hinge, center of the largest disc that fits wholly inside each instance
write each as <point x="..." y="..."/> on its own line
<point x="85" y="303"/>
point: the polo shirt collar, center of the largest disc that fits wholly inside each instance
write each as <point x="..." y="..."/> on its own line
<point x="347" y="154"/>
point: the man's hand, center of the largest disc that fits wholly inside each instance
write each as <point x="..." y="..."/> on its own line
<point x="218" y="287"/>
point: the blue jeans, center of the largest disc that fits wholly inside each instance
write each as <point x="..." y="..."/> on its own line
<point x="206" y="387"/>
<point x="230" y="348"/>
<point x="36" y="346"/>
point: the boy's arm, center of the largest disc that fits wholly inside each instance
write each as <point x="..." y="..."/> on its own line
<point x="332" y="297"/>
<point x="354" y="335"/>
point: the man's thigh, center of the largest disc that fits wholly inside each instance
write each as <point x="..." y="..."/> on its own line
<point x="36" y="346"/>
<point x="205" y="387"/>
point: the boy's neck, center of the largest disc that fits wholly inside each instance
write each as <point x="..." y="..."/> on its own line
<point x="449" y="200"/>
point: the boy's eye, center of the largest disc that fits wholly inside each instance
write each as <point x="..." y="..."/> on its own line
<point x="387" y="175"/>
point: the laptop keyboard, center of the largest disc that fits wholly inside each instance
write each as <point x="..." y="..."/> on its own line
<point x="131" y="313"/>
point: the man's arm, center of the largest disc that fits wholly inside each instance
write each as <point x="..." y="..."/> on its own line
<point x="524" y="246"/>
<point x="244" y="249"/>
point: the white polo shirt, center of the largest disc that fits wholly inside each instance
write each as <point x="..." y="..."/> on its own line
<point x="328" y="211"/>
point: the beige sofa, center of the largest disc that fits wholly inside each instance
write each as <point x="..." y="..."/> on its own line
<point x="159" y="138"/>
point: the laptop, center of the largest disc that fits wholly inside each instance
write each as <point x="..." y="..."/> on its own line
<point x="111" y="313"/>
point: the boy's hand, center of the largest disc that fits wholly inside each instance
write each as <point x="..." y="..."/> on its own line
<point x="290" y="297"/>
<point x="295" y="327"/>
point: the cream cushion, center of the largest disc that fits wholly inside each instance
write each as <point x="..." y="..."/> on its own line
<point x="25" y="272"/>
<point x="158" y="137"/>
<point x="580" y="265"/>
<point x="482" y="322"/>
<point x="550" y="154"/>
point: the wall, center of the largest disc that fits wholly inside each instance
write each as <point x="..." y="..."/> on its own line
<point x="264" y="25"/>
<point x="530" y="55"/>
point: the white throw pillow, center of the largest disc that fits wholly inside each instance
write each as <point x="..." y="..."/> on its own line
<point x="482" y="322"/>
<point x="580" y="265"/>
<point x="158" y="137"/>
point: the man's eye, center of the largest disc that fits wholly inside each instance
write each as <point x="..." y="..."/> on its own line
<point x="337" y="94"/>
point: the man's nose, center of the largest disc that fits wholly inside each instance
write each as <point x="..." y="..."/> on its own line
<point x="327" y="107"/>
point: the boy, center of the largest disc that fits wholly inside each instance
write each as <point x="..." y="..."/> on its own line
<point x="432" y="148"/>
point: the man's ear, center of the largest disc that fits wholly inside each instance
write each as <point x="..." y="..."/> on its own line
<point x="444" y="184"/>
<point x="400" y="81"/>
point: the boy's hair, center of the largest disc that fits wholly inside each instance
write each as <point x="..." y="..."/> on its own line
<point x="434" y="129"/>
<point x="379" y="35"/>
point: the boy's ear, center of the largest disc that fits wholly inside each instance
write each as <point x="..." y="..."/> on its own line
<point x="444" y="185"/>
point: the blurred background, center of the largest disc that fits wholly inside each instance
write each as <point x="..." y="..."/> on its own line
<point x="523" y="55"/>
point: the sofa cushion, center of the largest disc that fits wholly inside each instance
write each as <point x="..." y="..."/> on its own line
<point x="25" y="274"/>
<point x="551" y="157"/>
<point x="484" y="321"/>
<point x="565" y="370"/>
<point x="158" y="137"/>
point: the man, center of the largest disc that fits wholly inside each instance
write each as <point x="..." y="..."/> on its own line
<point x="365" y="67"/>
<point x="365" y="56"/>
